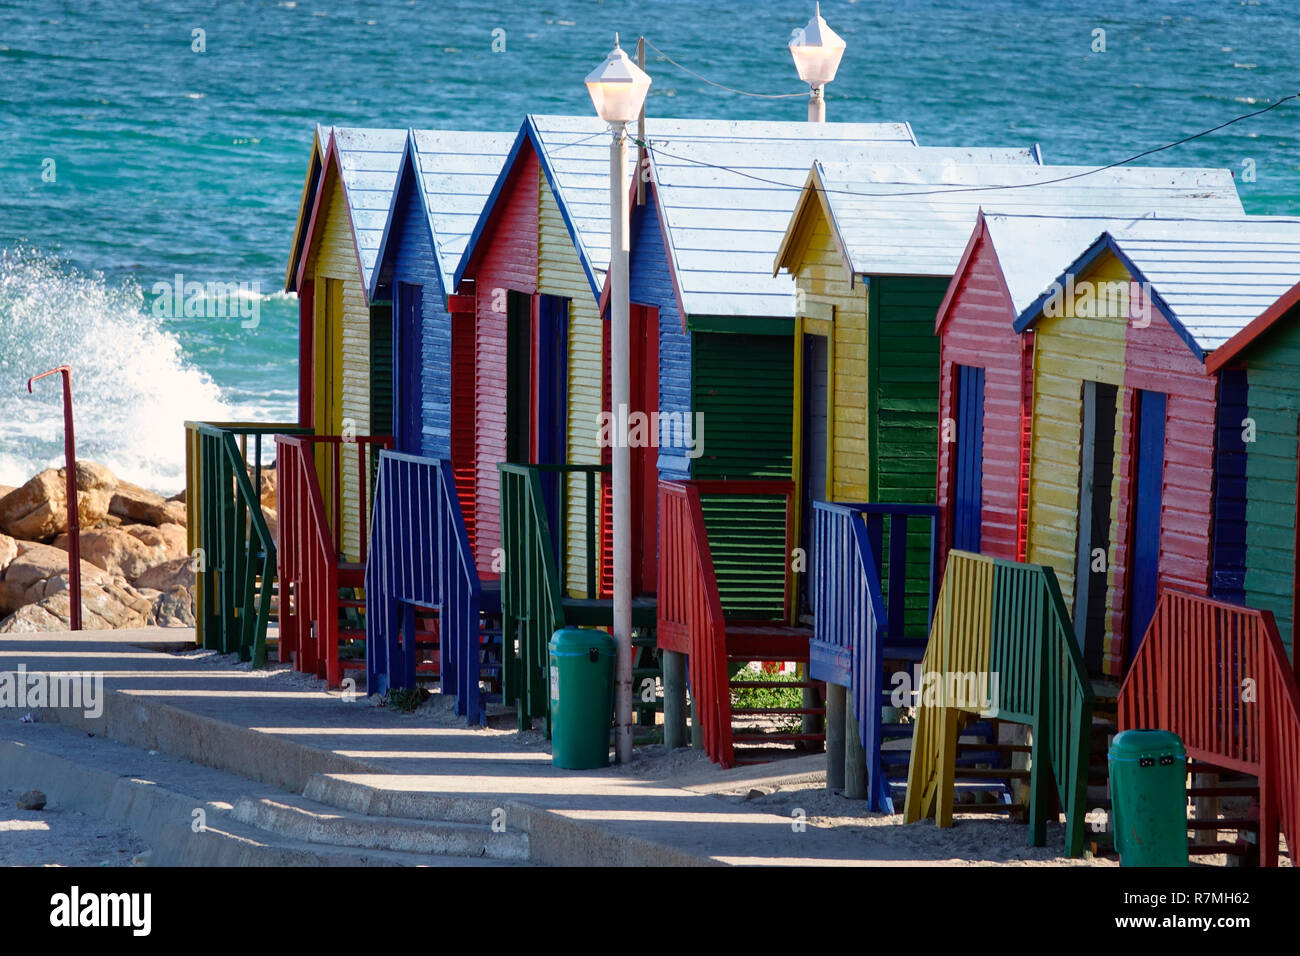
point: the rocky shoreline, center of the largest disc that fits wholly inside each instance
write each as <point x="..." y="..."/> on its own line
<point x="136" y="569"/>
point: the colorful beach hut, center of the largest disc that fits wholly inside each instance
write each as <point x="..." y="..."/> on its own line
<point x="702" y="247"/>
<point x="984" y="364"/>
<point x="350" y="335"/>
<point x="537" y="261"/>
<point x="442" y="183"/>
<point x="1259" y="373"/>
<point x="1124" y="462"/>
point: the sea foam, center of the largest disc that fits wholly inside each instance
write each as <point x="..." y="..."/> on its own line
<point x="132" y="387"/>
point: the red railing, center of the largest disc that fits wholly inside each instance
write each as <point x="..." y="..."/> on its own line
<point x="689" y="606"/>
<point x="311" y="547"/>
<point x="1217" y="675"/>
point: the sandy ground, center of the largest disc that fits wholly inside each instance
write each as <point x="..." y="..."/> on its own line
<point x="975" y="839"/>
<point x="57" y="837"/>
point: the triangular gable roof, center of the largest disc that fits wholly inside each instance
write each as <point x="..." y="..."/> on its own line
<point x="365" y="162"/>
<point x="1209" y="278"/>
<point x="900" y="220"/>
<point x="453" y="173"/>
<point x="573" y="153"/>
<point x="1243" y="340"/>
<point x="725" y="211"/>
<point x="319" y="141"/>
<point x="1031" y="247"/>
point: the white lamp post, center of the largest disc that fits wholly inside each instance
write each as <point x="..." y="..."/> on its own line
<point x="618" y="88"/>
<point x="816" y="50"/>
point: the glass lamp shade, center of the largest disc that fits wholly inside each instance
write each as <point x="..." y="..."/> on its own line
<point x="817" y="50"/>
<point x="618" y="87"/>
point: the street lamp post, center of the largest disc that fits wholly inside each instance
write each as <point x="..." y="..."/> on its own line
<point x="618" y="89"/>
<point x="817" y="50"/>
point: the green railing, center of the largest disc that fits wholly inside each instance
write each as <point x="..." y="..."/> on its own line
<point x="232" y="546"/>
<point x="1003" y="626"/>
<point x="533" y="581"/>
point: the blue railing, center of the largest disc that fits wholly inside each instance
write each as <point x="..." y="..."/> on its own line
<point x="862" y="619"/>
<point x="420" y="557"/>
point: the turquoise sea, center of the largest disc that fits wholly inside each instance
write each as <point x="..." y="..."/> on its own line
<point x="141" y="140"/>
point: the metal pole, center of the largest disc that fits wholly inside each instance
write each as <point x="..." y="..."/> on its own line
<point x="640" y="135"/>
<point x="621" y="455"/>
<point x="817" y="105"/>
<point x="74" y="519"/>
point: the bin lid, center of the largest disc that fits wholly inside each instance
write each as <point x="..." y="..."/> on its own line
<point x="1134" y="744"/>
<point x="573" y="641"/>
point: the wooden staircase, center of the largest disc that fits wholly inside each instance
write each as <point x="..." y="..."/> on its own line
<point x="428" y="616"/>
<point x="321" y="575"/>
<point x="692" y="621"/>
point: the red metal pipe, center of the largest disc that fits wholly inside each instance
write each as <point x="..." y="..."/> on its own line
<point x="74" y="521"/>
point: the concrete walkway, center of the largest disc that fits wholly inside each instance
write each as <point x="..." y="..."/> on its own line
<point x="287" y="732"/>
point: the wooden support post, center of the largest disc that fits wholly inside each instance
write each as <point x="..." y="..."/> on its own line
<point x="946" y="769"/>
<point x="812" y="723"/>
<point x="674" y="663"/>
<point x="697" y="732"/>
<point x="836" y="699"/>
<point x="855" y="759"/>
<point x="1040" y="782"/>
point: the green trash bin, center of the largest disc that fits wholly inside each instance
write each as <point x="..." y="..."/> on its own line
<point x="582" y="697"/>
<point x="1148" y="794"/>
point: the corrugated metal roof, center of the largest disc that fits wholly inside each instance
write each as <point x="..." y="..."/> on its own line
<point x="457" y="172"/>
<point x="897" y="220"/>
<point x="1213" y="277"/>
<point x="725" y="210"/>
<point x="368" y="163"/>
<point x="574" y="151"/>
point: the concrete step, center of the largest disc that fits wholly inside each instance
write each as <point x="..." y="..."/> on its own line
<point x="306" y="820"/>
<point x="182" y="810"/>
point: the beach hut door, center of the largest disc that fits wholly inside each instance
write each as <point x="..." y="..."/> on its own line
<point x="1149" y="469"/>
<point x="968" y="496"/>
<point x="550" y="363"/>
<point x="816" y="372"/>
<point x="1096" y="470"/>
<point x="407" y="350"/>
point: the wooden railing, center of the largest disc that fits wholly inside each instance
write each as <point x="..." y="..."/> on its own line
<point x="1217" y="675"/>
<point x="311" y="546"/>
<point x="233" y="548"/>
<point x="421" y="557"/>
<point x="533" y="581"/>
<point x="690" y="614"/>
<point x="1005" y="623"/>
<point x="852" y="620"/>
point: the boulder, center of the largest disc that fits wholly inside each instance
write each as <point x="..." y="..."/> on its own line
<point x="38" y="510"/>
<point x="8" y="551"/>
<point x="173" y="608"/>
<point x="167" y="540"/>
<point x="136" y="505"/>
<point x="163" y="577"/>
<point x="96" y="486"/>
<point x="31" y="800"/>
<point x="40" y="571"/>
<point x="112" y="604"/>
<point x="268" y="488"/>
<point x="116" y="551"/>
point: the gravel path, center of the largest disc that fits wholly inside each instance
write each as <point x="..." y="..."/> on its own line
<point x="57" y="837"/>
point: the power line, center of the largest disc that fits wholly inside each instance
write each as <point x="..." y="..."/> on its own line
<point x="966" y="189"/>
<point x="729" y="89"/>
